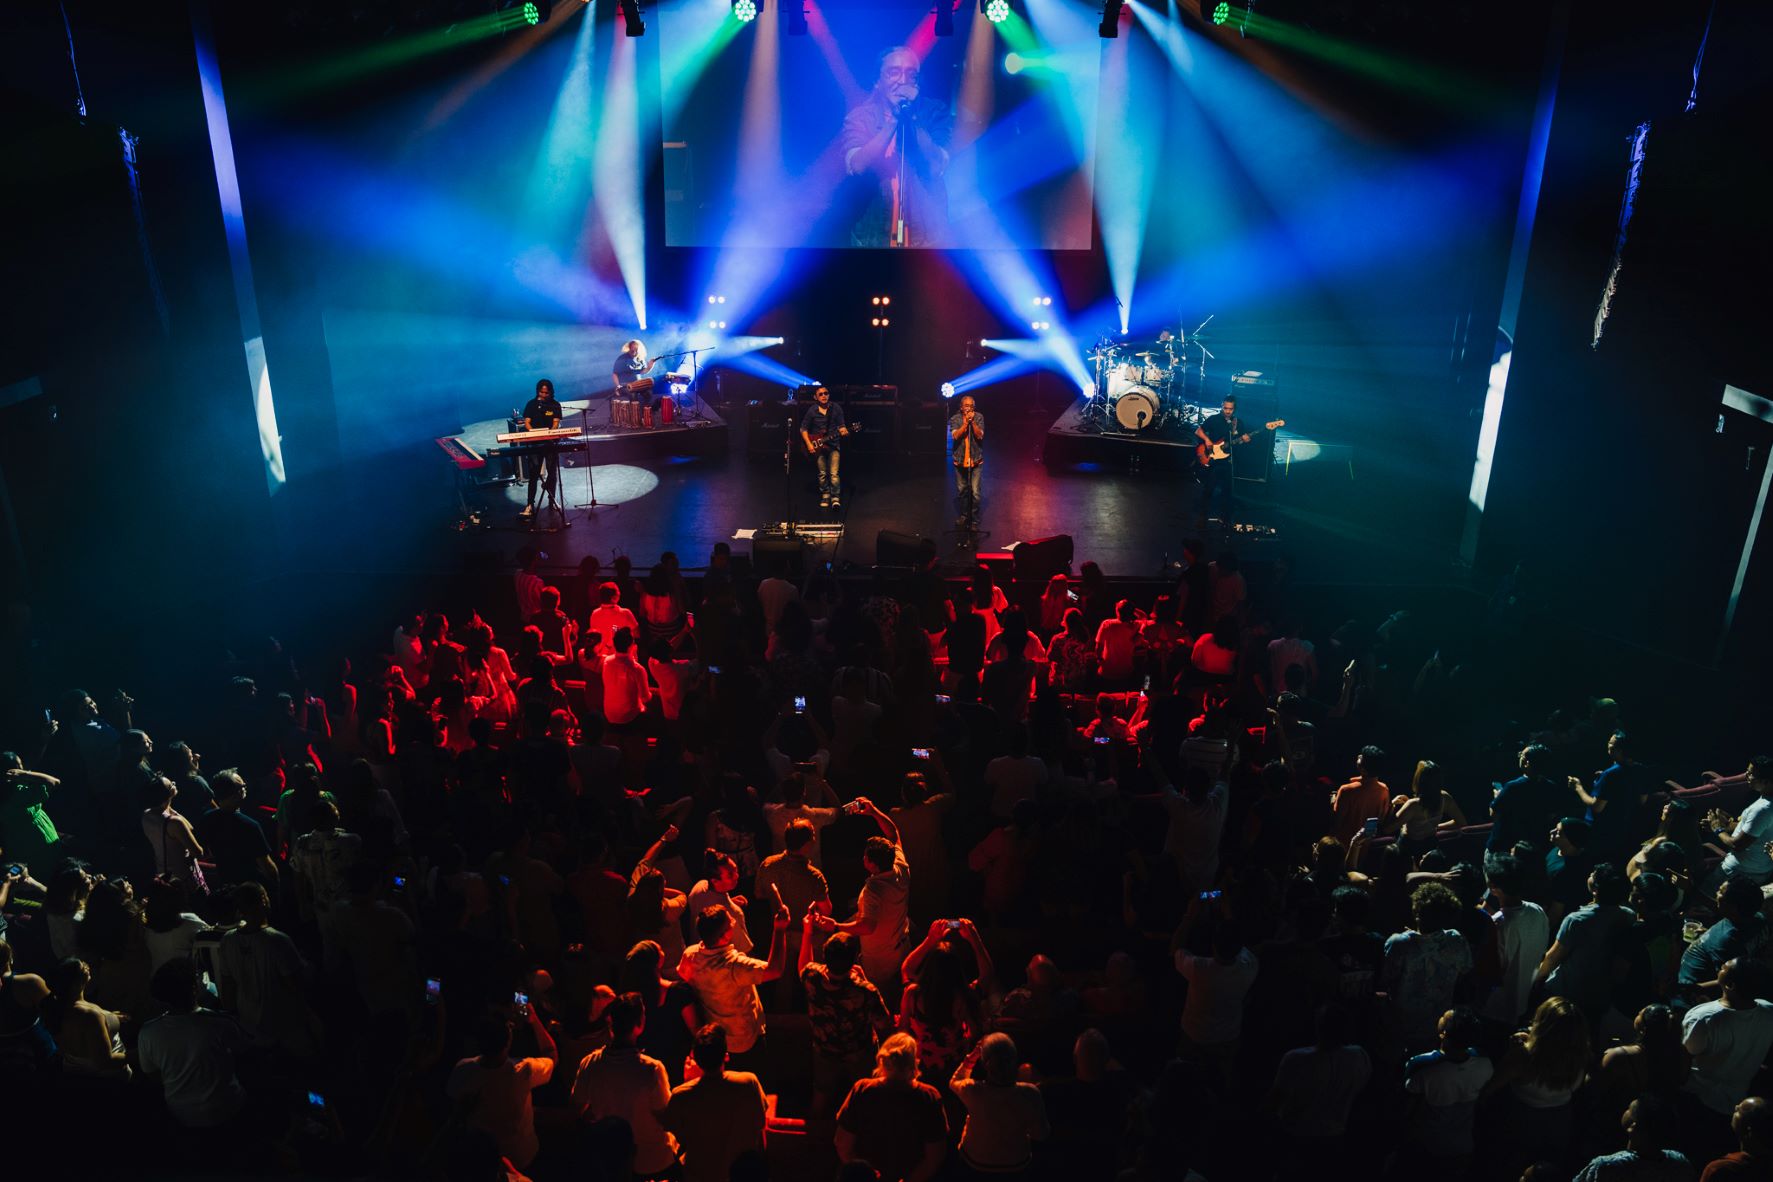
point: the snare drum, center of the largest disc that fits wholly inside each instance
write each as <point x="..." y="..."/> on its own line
<point x="1136" y="408"/>
<point x="1153" y="375"/>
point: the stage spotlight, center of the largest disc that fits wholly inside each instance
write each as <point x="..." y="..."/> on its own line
<point x="718" y="324"/>
<point x="717" y="299"/>
<point x="947" y="389"/>
<point x="745" y="10"/>
<point x="793" y="14"/>
<point x="944" y="18"/>
<point x="1111" y="10"/>
<point x="1221" y="12"/>
<point x="1040" y="325"/>
<point x="531" y="14"/>
<point x="996" y="11"/>
<point x="632" y="24"/>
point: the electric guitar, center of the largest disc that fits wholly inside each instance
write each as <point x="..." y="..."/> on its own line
<point x="821" y="442"/>
<point x="1211" y="453"/>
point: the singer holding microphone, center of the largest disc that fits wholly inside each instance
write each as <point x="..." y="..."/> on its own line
<point x="966" y="438"/>
<point x="899" y="137"/>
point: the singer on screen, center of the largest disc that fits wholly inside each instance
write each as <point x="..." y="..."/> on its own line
<point x="899" y="137"/>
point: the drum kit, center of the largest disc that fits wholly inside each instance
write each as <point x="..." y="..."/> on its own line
<point x="1150" y="389"/>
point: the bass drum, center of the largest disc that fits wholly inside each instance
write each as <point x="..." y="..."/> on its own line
<point x="1136" y="408"/>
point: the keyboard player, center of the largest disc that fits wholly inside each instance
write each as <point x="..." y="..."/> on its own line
<point x="539" y="414"/>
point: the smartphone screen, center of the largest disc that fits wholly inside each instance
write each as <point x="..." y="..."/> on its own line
<point x="433" y="989"/>
<point x="1371" y="826"/>
<point x="1101" y="740"/>
<point x="799" y="704"/>
<point x="944" y="699"/>
<point x="920" y="752"/>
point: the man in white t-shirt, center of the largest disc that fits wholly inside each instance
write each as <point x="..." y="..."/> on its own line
<point x="620" y="1081"/>
<point x="1747" y="839"/>
<point x="1213" y="1013"/>
<point x="626" y="690"/>
<point x="1449" y="1079"/>
<point x="1015" y="776"/>
<point x="1117" y="642"/>
<point x="673" y="677"/>
<point x="794" y="807"/>
<point x="1523" y="933"/>
<point x="492" y="1090"/>
<point x="190" y="1052"/>
<point x="1728" y="1039"/>
<point x="1315" y="1087"/>
<point x="609" y="615"/>
<point x="1196" y="823"/>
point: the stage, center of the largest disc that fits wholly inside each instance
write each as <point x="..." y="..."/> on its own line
<point x="1129" y="518"/>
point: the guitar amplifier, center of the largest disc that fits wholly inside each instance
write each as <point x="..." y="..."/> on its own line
<point x="865" y="395"/>
<point x="766" y="425"/>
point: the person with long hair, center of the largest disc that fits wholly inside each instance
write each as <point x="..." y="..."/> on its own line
<point x="664" y="611"/>
<point x="1654" y="1061"/>
<point x="1055" y="601"/>
<point x="655" y="911"/>
<point x="1428" y="811"/>
<point x="936" y="1008"/>
<point x="1530" y="1116"/>
<point x="113" y="941"/>
<point x="171" y="929"/>
<point x="672" y="1012"/>
<point x="88" y="1036"/>
<point x="892" y="1120"/>
<point x="1072" y="655"/>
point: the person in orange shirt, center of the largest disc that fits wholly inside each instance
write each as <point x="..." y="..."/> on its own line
<point x="1364" y="796"/>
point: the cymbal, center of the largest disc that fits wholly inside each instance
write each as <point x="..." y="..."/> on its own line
<point x="1145" y="356"/>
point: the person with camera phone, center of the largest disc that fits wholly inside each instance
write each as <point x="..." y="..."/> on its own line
<point x="492" y="1088"/>
<point x="882" y="922"/>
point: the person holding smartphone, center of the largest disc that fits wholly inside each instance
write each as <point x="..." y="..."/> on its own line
<point x="882" y="922"/>
<point x="492" y="1089"/>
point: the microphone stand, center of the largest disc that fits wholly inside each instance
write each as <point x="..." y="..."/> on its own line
<point x="591" y="501"/>
<point x="902" y="231"/>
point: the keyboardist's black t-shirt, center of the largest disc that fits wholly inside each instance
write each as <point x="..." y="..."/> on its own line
<point x="542" y="414"/>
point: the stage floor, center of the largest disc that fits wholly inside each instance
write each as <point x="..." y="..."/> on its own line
<point x="1329" y="525"/>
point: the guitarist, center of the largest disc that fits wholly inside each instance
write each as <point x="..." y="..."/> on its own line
<point x="1216" y="478"/>
<point x="822" y="430"/>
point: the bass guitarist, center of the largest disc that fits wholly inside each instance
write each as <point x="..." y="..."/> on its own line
<point x="821" y="431"/>
<point x="1219" y="434"/>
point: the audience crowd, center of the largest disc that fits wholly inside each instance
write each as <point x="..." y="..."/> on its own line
<point x="937" y="878"/>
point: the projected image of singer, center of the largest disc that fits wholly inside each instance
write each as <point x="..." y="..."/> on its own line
<point x="899" y="138"/>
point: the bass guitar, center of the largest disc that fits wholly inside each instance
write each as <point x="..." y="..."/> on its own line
<point x="821" y="442"/>
<point x="1211" y="453"/>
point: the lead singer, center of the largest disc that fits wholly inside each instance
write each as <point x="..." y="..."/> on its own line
<point x="966" y="434"/>
<point x="900" y="137"/>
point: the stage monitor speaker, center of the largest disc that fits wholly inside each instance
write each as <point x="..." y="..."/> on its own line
<point x="784" y="557"/>
<point x="892" y="548"/>
<point x="1041" y="559"/>
<point x="1001" y="564"/>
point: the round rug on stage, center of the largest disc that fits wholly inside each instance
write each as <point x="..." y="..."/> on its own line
<point x="616" y="484"/>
